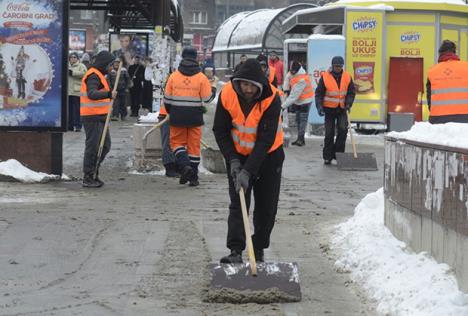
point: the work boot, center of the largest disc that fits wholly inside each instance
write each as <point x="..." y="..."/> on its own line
<point x="259" y="255"/>
<point x="187" y="173"/>
<point x="295" y="142"/>
<point x="194" y="183"/>
<point x="96" y="178"/>
<point x="234" y="257"/>
<point x="90" y="182"/>
<point x="171" y="170"/>
<point x="327" y="161"/>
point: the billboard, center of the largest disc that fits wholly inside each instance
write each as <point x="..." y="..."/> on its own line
<point x="128" y="45"/>
<point x="33" y="57"/>
<point x="77" y="40"/>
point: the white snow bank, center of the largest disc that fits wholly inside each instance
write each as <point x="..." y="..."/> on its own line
<point x="13" y="168"/>
<point x="448" y="134"/>
<point x="400" y="281"/>
<point x="149" y="118"/>
<point x="326" y="37"/>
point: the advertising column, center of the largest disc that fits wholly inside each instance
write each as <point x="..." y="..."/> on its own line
<point x="364" y="45"/>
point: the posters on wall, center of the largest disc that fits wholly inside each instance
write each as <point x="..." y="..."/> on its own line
<point x="77" y="40"/>
<point x="364" y="51"/>
<point x="128" y="45"/>
<point x="31" y="64"/>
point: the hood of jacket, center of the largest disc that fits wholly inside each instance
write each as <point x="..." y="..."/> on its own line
<point x="102" y="61"/>
<point x="301" y="71"/>
<point x="251" y="71"/>
<point x="189" y="67"/>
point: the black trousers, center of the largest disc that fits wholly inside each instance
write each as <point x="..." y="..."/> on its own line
<point x="93" y="132"/>
<point x="335" y="119"/>
<point x="74" y="112"/>
<point x="135" y="95"/>
<point x="266" y="189"/>
<point x="120" y="106"/>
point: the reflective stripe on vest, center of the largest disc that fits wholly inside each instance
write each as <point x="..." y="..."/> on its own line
<point x="449" y="88"/>
<point x="334" y="96"/>
<point x="187" y="91"/>
<point x="308" y="92"/>
<point x="94" y="107"/>
<point x="244" y="130"/>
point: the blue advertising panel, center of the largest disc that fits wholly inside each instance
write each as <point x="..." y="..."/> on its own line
<point x="33" y="46"/>
<point x="320" y="51"/>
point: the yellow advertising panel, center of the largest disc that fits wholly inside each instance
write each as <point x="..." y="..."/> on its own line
<point x="364" y="45"/>
<point x="449" y="34"/>
<point x="412" y="41"/>
<point x="411" y="18"/>
<point x="464" y="45"/>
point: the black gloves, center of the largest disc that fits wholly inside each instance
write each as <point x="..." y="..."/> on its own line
<point x="161" y="117"/>
<point x="235" y="169"/>
<point x="348" y="107"/>
<point x="320" y="111"/>
<point x="242" y="180"/>
<point x="70" y="72"/>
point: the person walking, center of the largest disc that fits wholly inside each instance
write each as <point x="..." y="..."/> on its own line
<point x="137" y="74"/>
<point x="300" y="98"/>
<point x="184" y="94"/>
<point x="275" y="62"/>
<point x="119" y="107"/>
<point x="269" y="72"/>
<point x="334" y="97"/>
<point x="247" y="128"/>
<point x="95" y="102"/>
<point x="76" y="71"/>
<point x="447" y="87"/>
<point x="147" y="92"/>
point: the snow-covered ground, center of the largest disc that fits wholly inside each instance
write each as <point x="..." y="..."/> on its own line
<point x="448" y="134"/>
<point x="14" y="169"/>
<point x="400" y="281"/>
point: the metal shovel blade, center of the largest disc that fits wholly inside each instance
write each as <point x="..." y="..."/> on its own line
<point x="363" y="162"/>
<point x="234" y="283"/>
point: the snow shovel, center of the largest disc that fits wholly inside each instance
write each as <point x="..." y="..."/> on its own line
<point x="106" y="124"/>
<point x="212" y="159"/>
<point x="355" y="162"/>
<point x="261" y="283"/>
<point x="144" y="140"/>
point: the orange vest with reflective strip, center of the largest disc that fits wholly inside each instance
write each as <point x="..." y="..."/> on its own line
<point x="449" y="88"/>
<point x="334" y="96"/>
<point x="308" y="92"/>
<point x="94" y="107"/>
<point x="187" y="91"/>
<point x="244" y="129"/>
<point x="272" y="74"/>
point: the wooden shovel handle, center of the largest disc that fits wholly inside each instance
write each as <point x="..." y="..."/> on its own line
<point x="351" y="135"/>
<point x="248" y="235"/>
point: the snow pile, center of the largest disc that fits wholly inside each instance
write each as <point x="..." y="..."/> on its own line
<point x="326" y="37"/>
<point x="149" y="118"/>
<point x="14" y="169"/>
<point x="448" y="134"/>
<point x="400" y="281"/>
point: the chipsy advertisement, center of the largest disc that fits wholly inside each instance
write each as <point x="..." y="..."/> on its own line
<point x="320" y="51"/>
<point x="31" y="64"/>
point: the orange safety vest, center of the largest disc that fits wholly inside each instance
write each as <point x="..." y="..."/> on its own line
<point x="187" y="91"/>
<point x="334" y="96"/>
<point x="449" y="88"/>
<point x="272" y="74"/>
<point x="244" y="129"/>
<point x="162" y="109"/>
<point x="308" y="92"/>
<point x="94" y="107"/>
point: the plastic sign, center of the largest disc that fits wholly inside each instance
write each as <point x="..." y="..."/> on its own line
<point x="33" y="64"/>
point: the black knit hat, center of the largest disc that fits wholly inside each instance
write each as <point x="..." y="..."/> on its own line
<point x="338" y="60"/>
<point x="447" y="46"/>
<point x="295" y="66"/>
<point x="262" y="59"/>
<point x="190" y="53"/>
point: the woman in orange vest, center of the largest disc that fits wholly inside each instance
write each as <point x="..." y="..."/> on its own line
<point x="300" y="98"/>
<point x="334" y="97"/>
<point x="247" y="128"/>
<point x="95" y="102"/>
<point x="447" y="87"/>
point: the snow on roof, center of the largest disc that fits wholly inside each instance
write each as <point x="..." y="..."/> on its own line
<point x="14" y="169"/>
<point x="253" y="27"/>
<point x="326" y="37"/>
<point x="295" y="40"/>
<point x="225" y="31"/>
<point x="449" y="134"/>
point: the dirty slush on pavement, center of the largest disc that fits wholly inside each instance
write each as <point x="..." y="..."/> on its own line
<point x="141" y="245"/>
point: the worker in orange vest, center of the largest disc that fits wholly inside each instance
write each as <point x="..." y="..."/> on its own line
<point x="186" y="90"/>
<point x="301" y="95"/>
<point x="447" y="87"/>
<point x="269" y="71"/>
<point x="95" y="102"/>
<point x="247" y="128"/>
<point x="334" y="97"/>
